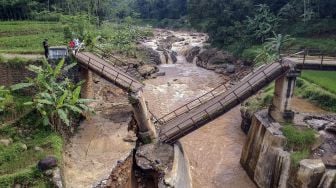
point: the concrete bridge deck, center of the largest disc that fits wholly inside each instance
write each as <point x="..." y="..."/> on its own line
<point x="109" y="71"/>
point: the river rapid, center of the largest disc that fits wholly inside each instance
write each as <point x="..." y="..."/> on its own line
<point x="213" y="150"/>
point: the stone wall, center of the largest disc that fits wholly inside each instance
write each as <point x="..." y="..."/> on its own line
<point x="13" y="74"/>
<point x="269" y="165"/>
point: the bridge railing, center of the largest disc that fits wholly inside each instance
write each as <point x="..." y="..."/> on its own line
<point x="313" y="59"/>
<point x="225" y="103"/>
<point x="115" y="75"/>
<point x="108" y="56"/>
<point x="193" y="104"/>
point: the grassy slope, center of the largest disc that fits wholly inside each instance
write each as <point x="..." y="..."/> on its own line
<point x="27" y="37"/>
<point x="18" y="165"/>
<point x="321" y="78"/>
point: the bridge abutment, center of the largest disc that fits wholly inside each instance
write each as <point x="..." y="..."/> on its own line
<point x="281" y="108"/>
<point x="146" y="127"/>
<point x="87" y="88"/>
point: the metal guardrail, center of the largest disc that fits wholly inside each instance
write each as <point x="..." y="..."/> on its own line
<point x="223" y="103"/>
<point x="103" y="69"/>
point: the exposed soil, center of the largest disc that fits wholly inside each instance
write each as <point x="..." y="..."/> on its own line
<point x="92" y="153"/>
<point x="26" y="56"/>
<point x="302" y="105"/>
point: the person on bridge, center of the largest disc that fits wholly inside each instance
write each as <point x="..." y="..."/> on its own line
<point x="46" y="48"/>
<point x="72" y="44"/>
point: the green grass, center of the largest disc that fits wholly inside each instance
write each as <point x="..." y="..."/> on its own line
<point x="297" y="156"/>
<point x="27" y="37"/>
<point x="298" y="139"/>
<point x="321" y="78"/>
<point x="18" y="165"/>
<point x="316" y="94"/>
<point x="323" y="44"/>
<point x="259" y="101"/>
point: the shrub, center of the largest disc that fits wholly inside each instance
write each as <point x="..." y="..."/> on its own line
<point x="297" y="156"/>
<point x="297" y="139"/>
<point x="316" y="94"/>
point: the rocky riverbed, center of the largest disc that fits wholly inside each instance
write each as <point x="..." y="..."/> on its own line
<point x="213" y="150"/>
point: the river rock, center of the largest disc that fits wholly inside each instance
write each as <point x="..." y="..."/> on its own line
<point x="317" y="124"/>
<point x="310" y="172"/>
<point x="191" y="53"/>
<point x="331" y="127"/>
<point x="152" y="54"/>
<point x="57" y="178"/>
<point x="36" y="148"/>
<point x="173" y="56"/>
<point x="173" y="39"/>
<point x="231" y="69"/>
<point x="47" y="163"/>
<point x="158" y="157"/>
<point x="24" y="147"/>
<point x="6" y="142"/>
<point x="147" y="69"/>
<point x="213" y="58"/>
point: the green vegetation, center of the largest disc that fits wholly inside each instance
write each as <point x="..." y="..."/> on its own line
<point x="299" y="140"/>
<point x="316" y="94"/>
<point x="56" y="98"/>
<point x="262" y="100"/>
<point x="297" y="156"/>
<point x="18" y="160"/>
<point x="27" y="36"/>
<point x="322" y="78"/>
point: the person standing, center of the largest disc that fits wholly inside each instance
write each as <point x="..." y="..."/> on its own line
<point x="46" y="48"/>
<point x="72" y="45"/>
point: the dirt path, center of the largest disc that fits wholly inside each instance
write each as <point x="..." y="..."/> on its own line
<point x="26" y="56"/>
<point x="302" y="105"/>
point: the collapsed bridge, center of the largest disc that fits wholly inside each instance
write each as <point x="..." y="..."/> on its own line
<point x="191" y="117"/>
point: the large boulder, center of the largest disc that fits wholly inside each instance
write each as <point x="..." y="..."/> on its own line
<point x="47" y="163"/>
<point x="147" y="69"/>
<point x="213" y="59"/>
<point x="153" y="55"/>
<point x="6" y="142"/>
<point x="191" y="53"/>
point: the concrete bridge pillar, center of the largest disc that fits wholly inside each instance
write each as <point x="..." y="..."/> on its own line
<point x="146" y="127"/>
<point x="281" y="109"/>
<point x="87" y="88"/>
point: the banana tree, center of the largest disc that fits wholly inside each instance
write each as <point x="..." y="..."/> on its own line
<point x="57" y="98"/>
<point x="275" y="44"/>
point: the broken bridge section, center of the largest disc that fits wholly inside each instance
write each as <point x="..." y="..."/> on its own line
<point x="117" y="76"/>
<point x="107" y="70"/>
<point x="187" y="119"/>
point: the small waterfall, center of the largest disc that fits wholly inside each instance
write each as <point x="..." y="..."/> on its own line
<point x="162" y="58"/>
<point x="169" y="59"/>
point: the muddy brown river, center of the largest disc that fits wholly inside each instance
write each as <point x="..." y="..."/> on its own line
<point x="214" y="150"/>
